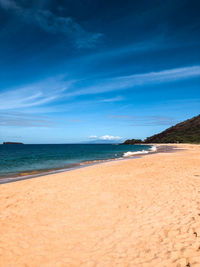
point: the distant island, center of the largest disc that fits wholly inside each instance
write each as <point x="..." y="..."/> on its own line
<point x="184" y="132"/>
<point x="12" y="143"/>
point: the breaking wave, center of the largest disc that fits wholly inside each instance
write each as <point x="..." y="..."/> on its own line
<point x="130" y="154"/>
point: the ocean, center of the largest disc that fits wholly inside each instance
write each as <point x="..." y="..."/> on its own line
<point x="33" y="160"/>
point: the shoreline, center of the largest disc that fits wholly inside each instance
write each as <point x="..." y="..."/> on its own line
<point x="136" y="212"/>
<point x="160" y="148"/>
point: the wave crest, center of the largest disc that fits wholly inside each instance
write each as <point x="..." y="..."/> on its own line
<point x="131" y="153"/>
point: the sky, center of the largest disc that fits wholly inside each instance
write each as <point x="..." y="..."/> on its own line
<point x="81" y="71"/>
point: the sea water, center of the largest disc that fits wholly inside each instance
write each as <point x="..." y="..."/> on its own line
<point x="21" y="160"/>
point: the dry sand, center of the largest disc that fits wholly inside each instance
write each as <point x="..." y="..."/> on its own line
<point x="136" y="212"/>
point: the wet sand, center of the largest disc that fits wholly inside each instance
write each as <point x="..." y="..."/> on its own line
<point x="135" y="212"/>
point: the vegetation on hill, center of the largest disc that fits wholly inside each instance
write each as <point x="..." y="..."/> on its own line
<point x="185" y="132"/>
<point x="12" y="143"/>
<point x="132" y="142"/>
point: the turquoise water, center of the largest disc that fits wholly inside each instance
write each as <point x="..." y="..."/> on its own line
<point x="17" y="160"/>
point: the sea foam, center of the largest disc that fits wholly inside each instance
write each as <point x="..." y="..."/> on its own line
<point x="153" y="148"/>
<point x="130" y="153"/>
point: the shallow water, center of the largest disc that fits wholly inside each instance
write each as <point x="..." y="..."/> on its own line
<point x="20" y="160"/>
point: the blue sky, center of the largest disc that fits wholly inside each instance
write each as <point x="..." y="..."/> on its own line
<point x="89" y="71"/>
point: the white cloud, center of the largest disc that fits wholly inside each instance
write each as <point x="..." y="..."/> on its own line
<point x="105" y="137"/>
<point x="110" y="137"/>
<point x="93" y="137"/>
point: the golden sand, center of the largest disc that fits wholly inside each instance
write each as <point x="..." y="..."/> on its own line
<point x="135" y="212"/>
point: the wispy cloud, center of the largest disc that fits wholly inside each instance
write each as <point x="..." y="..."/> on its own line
<point x="24" y="120"/>
<point x="34" y="95"/>
<point x="75" y="120"/>
<point x="112" y="99"/>
<point x="105" y="137"/>
<point x="51" y="90"/>
<point x="54" y="24"/>
<point x="145" y="120"/>
<point x="153" y="44"/>
<point x="66" y="26"/>
<point x="135" y="80"/>
<point x="121" y="117"/>
<point x="8" y="4"/>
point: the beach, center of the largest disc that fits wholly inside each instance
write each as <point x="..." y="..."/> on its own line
<point x="134" y="212"/>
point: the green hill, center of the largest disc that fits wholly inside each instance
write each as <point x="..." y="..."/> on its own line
<point x="132" y="142"/>
<point x="185" y="132"/>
